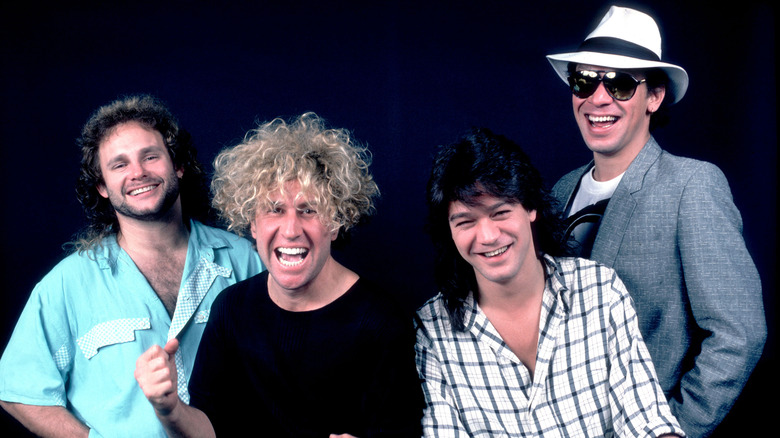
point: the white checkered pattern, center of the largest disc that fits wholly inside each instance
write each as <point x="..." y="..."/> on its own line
<point x="191" y="294"/>
<point x="110" y="332"/>
<point x="593" y="374"/>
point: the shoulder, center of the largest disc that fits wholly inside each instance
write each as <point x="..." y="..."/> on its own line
<point x="228" y="249"/>
<point x="698" y="186"/>
<point x="688" y="170"/>
<point x="432" y="319"/>
<point x="432" y="309"/>
<point x="76" y="267"/>
<point x="587" y="281"/>
<point x="219" y="238"/>
<point x="568" y="267"/>
<point x="568" y="181"/>
<point x="237" y="295"/>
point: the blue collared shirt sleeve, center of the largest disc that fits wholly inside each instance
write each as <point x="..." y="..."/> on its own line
<point x="39" y="356"/>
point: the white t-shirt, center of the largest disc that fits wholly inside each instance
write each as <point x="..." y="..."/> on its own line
<point x="592" y="191"/>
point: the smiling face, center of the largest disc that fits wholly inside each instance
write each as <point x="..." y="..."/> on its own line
<point x="494" y="236"/>
<point x="138" y="176"/>
<point x="611" y="127"/>
<point x="292" y="241"/>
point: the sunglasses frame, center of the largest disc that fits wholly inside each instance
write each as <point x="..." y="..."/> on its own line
<point x="603" y="76"/>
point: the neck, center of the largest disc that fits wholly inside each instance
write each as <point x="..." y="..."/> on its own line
<point x="332" y="282"/>
<point x="609" y="166"/>
<point x="524" y="291"/>
<point x="166" y="235"/>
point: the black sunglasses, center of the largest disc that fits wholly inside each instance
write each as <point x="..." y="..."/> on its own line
<point x="619" y="85"/>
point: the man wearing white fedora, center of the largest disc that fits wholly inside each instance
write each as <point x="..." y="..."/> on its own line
<point x="666" y="224"/>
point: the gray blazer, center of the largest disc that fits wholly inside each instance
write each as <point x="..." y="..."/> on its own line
<point x="674" y="236"/>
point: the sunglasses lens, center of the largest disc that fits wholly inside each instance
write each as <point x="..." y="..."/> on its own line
<point x="622" y="86"/>
<point x="583" y="86"/>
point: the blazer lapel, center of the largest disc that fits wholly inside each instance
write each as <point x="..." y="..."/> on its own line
<point x="569" y="185"/>
<point x="622" y="204"/>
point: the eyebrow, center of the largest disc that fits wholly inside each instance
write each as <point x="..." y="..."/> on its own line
<point x="301" y="203"/>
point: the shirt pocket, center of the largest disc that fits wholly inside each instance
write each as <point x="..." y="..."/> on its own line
<point x="109" y="333"/>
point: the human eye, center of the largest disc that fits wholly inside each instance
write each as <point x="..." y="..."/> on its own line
<point x="273" y="208"/>
<point x="462" y="222"/>
<point x="308" y="210"/>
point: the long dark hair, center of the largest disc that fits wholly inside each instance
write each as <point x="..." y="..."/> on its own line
<point x="483" y="163"/>
<point x="150" y="112"/>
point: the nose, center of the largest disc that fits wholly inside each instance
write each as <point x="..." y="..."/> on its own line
<point x="291" y="225"/>
<point x="600" y="96"/>
<point x="137" y="169"/>
<point x="487" y="232"/>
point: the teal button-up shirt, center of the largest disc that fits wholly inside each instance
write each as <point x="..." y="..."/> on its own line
<point x="90" y="318"/>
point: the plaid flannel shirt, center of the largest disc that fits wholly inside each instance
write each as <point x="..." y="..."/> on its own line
<point x="593" y="377"/>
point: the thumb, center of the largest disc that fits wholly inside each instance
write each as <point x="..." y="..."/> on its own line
<point x="171" y="346"/>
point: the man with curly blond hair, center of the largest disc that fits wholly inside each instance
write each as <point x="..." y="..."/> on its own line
<point x="315" y="349"/>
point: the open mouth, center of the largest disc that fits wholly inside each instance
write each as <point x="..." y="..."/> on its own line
<point x="602" y="121"/>
<point x="499" y="251"/>
<point x="291" y="256"/>
<point x="144" y="189"/>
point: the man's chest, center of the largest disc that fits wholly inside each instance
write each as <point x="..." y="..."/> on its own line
<point x="164" y="276"/>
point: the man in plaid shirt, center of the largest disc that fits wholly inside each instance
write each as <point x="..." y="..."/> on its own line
<point x="521" y="341"/>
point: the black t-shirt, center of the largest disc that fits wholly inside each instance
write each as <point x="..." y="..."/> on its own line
<point x="345" y="368"/>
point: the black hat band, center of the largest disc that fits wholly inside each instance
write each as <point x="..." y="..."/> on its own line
<point x="617" y="46"/>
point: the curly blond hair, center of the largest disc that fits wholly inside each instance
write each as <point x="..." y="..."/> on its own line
<point x="327" y="163"/>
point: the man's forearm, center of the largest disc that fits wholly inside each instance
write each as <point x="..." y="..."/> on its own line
<point x="47" y="421"/>
<point x="184" y="421"/>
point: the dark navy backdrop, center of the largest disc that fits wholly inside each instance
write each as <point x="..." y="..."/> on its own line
<point x="403" y="76"/>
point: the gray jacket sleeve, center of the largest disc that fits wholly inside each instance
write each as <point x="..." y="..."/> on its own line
<point x="724" y="291"/>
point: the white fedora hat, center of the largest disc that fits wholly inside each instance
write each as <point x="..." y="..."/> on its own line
<point x="625" y="39"/>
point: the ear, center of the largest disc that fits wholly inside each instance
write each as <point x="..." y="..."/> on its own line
<point x="532" y="215"/>
<point x="179" y="172"/>
<point x="253" y="230"/>
<point x="655" y="97"/>
<point x="101" y="189"/>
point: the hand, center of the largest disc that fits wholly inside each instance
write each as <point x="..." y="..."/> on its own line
<point x="343" y="435"/>
<point x="155" y="371"/>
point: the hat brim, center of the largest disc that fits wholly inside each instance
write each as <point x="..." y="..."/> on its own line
<point x="678" y="78"/>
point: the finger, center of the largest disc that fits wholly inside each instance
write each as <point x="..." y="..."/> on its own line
<point x="171" y="346"/>
<point x="150" y="354"/>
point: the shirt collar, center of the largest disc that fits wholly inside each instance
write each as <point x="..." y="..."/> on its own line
<point x="555" y="284"/>
<point x="201" y="245"/>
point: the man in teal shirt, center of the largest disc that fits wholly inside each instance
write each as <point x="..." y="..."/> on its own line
<point x="144" y="271"/>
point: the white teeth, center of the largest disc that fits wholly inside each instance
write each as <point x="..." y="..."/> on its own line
<point x="292" y="251"/>
<point x="141" y="190"/>
<point x="286" y="263"/>
<point x="496" y="252"/>
<point x="602" y="119"/>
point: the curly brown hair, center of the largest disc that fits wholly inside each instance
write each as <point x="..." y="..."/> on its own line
<point x="152" y="113"/>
